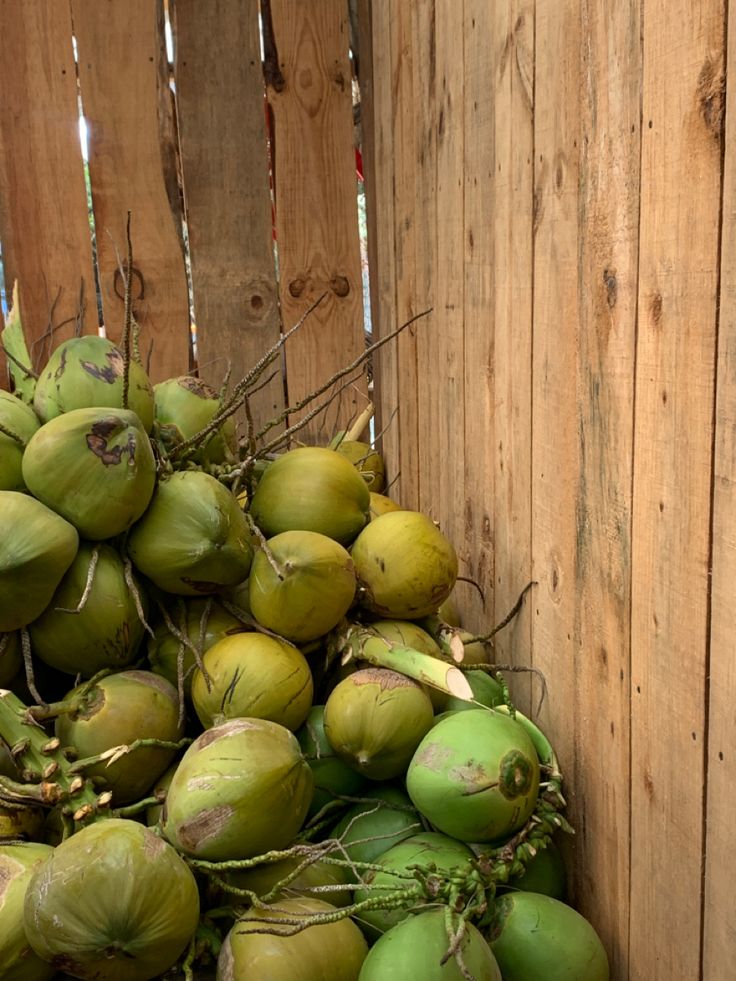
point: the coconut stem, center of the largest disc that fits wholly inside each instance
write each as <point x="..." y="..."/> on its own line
<point x="356" y="430"/>
<point x="87" y="586"/>
<point x="25" y="646"/>
<point x="234" y="402"/>
<point x="44" y="764"/>
<point x="484" y="638"/>
<point x="263" y="543"/>
<point x="135" y="593"/>
<point x="363" y="645"/>
<point x="115" y="753"/>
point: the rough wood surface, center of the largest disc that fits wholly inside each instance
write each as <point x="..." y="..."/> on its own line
<point x="609" y="218"/>
<point x="407" y="302"/>
<point x="678" y="276"/>
<point x="442" y="340"/>
<point x="124" y="89"/>
<point x="224" y="155"/>
<point x="555" y="447"/>
<point x="507" y="107"/>
<point x="719" y="918"/>
<point x="376" y="97"/>
<point x="310" y="93"/>
<point x="45" y="233"/>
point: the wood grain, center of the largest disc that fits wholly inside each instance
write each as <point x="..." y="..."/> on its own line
<point x="719" y="919"/>
<point x="470" y="329"/>
<point x="678" y="275"/>
<point x="443" y="339"/>
<point x="609" y="219"/>
<point x="45" y="229"/>
<point x="376" y="97"/>
<point x="555" y="447"/>
<point x="222" y="135"/>
<point x="127" y="104"/>
<point x="408" y="303"/>
<point x="316" y="202"/>
<point x="506" y="245"/>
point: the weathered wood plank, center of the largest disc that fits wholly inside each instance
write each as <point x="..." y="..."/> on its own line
<point x="609" y="218"/>
<point x="222" y="135"/>
<point x="683" y="51"/>
<point x="474" y="469"/>
<point x="442" y="341"/>
<point x="45" y="230"/>
<point x="376" y="97"/>
<point x="719" y="919"/>
<point x="555" y="450"/>
<point x="124" y="87"/>
<point x="507" y="245"/>
<point x="422" y="214"/>
<point x="310" y="92"/>
<point x="408" y="304"/>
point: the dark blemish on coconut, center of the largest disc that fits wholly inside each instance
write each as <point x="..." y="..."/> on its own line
<point x="197" y="387"/>
<point x="109" y="374"/>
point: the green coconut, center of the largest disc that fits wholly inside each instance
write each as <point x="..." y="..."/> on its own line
<point x="37" y="546"/>
<point x="367" y="461"/>
<point x="113" y="902"/>
<point x="429" y="851"/>
<point x="87" y="372"/>
<point x="160" y="789"/>
<point x="183" y="407"/>
<point x="311" y="489"/>
<point x="253" y="675"/>
<point x="375" y="719"/>
<point x="94" y="467"/>
<point x="18" y="422"/>
<point x="241" y="789"/>
<point x="18" y="962"/>
<point x="194" y="538"/>
<point x="384" y="819"/>
<point x="380" y="504"/>
<point x="325" y="952"/>
<point x="415" y="949"/>
<point x="116" y="711"/>
<point x="304" y="587"/>
<point x="21" y="824"/>
<point x="475" y="776"/>
<point x="404" y="564"/>
<point x="204" y="622"/>
<point x="106" y="633"/>
<point x="11" y="659"/>
<point x="302" y="877"/>
<point x="544" y="873"/>
<point x="333" y="778"/>
<point x="537" y="938"/>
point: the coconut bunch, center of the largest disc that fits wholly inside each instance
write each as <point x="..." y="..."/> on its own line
<point x="243" y="646"/>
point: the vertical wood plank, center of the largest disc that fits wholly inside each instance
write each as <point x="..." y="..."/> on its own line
<point x="680" y="196"/>
<point x="222" y="135"/>
<point x="45" y="229"/>
<point x="475" y="507"/>
<point x="420" y="221"/>
<point x="316" y="201"/>
<point x="609" y="218"/>
<point x="126" y="102"/>
<point x="376" y="95"/>
<point x="719" y="919"/>
<point x="407" y="301"/>
<point x="555" y="452"/>
<point x="507" y="461"/>
<point x="442" y="341"/>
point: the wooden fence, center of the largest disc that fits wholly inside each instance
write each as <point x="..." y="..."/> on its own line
<point x="556" y="181"/>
